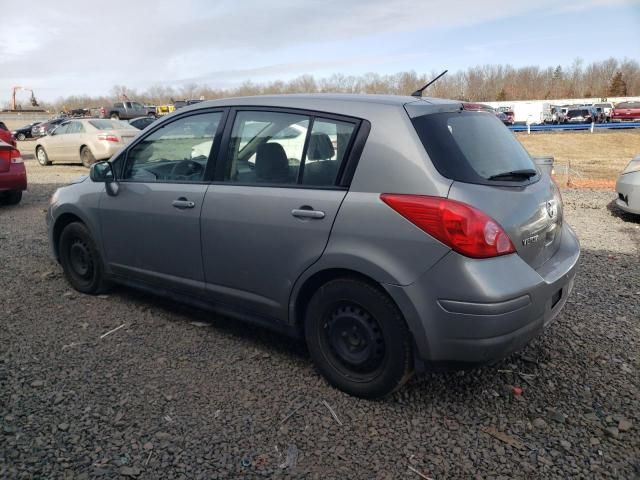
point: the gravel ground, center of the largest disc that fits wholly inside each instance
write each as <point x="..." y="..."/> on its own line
<point x="178" y="393"/>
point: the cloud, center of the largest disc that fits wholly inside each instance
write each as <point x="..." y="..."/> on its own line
<point x="76" y="46"/>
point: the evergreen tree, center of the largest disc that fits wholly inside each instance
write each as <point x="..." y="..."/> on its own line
<point x="617" y="87"/>
<point x="502" y="95"/>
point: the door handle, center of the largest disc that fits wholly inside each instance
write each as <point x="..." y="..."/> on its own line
<point x="307" y="212"/>
<point x="183" y="203"/>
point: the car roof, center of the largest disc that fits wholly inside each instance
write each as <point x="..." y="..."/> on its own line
<point x="331" y="102"/>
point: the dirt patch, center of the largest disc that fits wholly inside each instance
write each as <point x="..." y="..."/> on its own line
<point x="591" y="160"/>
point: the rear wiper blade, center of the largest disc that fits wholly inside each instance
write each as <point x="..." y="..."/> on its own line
<point x="526" y="174"/>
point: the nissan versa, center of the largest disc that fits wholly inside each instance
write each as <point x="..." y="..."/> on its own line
<point x="396" y="232"/>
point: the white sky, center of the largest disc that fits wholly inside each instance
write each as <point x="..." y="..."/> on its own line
<point x="70" y="47"/>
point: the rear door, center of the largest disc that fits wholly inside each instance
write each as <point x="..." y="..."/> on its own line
<point x="265" y="221"/>
<point x="493" y="172"/>
<point x="151" y="228"/>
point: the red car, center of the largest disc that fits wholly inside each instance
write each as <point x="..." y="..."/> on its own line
<point x="626" y="112"/>
<point x="5" y="135"/>
<point x="13" y="175"/>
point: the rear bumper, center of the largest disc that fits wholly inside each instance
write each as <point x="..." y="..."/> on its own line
<point x="478" y="311"/>
<point x="628" y="190"/>
<point x="14" y="179"/>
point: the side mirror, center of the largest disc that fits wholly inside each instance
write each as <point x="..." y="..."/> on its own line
<point x="102" y="172"/>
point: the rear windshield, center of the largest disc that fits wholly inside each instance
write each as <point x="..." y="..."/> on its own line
<point x="578" y="113"/>
<point x="470" y="147"/>
<point x="111" y="125"/>
<point x="628" y="105"/>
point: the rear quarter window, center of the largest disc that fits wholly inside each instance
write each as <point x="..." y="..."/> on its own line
<point x="469" y="146"/>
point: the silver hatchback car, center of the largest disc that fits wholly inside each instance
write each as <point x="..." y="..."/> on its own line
<point x="400" y="232"/>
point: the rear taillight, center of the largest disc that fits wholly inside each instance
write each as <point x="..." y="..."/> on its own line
<point x="16" y="156"/>
<point x="465" y="229"/>
<point x="13" y="156"/>
<point x="108" y="137"/>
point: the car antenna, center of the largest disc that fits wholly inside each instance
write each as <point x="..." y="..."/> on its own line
<point x="418" y="93"/>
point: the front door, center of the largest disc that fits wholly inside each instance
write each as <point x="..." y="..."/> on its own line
<point x="55" y="141"/>
<point x="268" y="215"/>
<point x="151" y="228"/>
<point x="70" y="142"/>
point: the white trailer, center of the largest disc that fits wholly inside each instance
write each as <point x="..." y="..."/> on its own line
<point x="532" y="113"/>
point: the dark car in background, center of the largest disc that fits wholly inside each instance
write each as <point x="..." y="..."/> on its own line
<point x="23" y="133"/>
<point x="580" y="115"/>
<point x="13" y="175"/>
<point x="41" y="129"/>
<point x="142" y="122"/>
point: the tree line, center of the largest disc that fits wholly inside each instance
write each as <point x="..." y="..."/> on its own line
<point x="607" y="78"/>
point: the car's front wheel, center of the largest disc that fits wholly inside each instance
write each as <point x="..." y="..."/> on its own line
<point x="42" y="157"/>
<point x="358" y="338"/>
<point x="81" y="260"/>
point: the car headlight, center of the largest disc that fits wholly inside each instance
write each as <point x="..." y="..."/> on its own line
<point x="633" y="166"/>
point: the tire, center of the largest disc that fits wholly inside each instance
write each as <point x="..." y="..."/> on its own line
<point x="13" y="197"/>
<point x="21" y="137"/>
<point x="42" y="157"/>
<point x="152" y="115"/>
<point x="80" y="259"/>
<point x="87" y="157"/>
<point x="358" y="339"/>
<point x="114" y="116"/>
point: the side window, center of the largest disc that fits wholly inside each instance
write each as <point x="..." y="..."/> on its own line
<point x="62" y="129"/>
<point x="176" y="152"/>
<point x="118" y="105"/>
<point x="75" y="127"/>
<point x="266" y="147"/>
<point x="328" y="145"/>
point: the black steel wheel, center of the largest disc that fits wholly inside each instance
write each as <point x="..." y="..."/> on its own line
<point x="358" y="338"/>
<point x="81" y="260"/>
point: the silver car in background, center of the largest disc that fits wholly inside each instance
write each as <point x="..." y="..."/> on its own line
<point x="628" y="187"/>
<point x="389" y="232"/>
<point x="84" y="140"/>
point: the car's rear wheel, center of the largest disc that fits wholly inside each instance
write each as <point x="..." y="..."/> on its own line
<point x="13" y="197"/>
<point x="42" y="157"/>
<point x="81" y="260"/>
<point x="87" y="157"/>
<point x="358" y="338"/>
<point x="115" y="116"/>
<point x="20" y="137"/>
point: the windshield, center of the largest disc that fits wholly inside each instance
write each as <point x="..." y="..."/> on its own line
<point x="471" y="147"/>
<point x="107" y="124"/>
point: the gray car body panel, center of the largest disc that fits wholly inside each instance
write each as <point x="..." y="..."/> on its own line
<point x="241" y="247"/>
<point x="628" y="185"/>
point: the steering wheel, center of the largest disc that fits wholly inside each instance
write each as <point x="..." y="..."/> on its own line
<point x="185" y="168"/>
